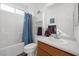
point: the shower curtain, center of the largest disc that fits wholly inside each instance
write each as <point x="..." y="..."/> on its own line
<point x="27" y="29"/>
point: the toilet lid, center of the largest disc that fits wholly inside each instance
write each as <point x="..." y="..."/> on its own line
<point x="31" y="45"/>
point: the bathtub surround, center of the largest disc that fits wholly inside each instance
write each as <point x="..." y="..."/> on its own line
<point x="11" y="27"/>
<point x="27" y="30"/>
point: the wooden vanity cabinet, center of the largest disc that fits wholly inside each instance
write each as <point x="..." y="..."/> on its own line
<point x="47" y="50"/>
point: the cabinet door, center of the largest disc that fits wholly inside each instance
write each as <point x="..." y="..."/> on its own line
<point x="52" y="51"/>
<point x="40" y="52"/>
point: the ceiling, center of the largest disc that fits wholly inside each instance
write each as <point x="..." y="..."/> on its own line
<point x="34" y="8"/>
<point x="37" y="5"/>
<point x="33" y="5"/>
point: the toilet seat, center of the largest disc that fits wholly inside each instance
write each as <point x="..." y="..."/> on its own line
<point x="30" y="46"/>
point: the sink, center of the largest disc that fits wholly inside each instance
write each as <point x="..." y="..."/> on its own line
<point x="55" y="40"/>
<point x="60" y="41"/>
<point x="64" y="41"/>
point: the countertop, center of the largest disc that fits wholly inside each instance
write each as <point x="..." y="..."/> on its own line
<point x="67" y="45"/>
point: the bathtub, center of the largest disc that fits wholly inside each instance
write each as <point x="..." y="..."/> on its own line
<point x="12" y="50"/>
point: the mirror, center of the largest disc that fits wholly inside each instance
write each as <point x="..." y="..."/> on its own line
<point x="63" y="15"/>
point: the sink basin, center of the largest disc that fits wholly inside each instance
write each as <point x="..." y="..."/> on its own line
<point x="63" y="41"/>
<point x="60" y="41"/>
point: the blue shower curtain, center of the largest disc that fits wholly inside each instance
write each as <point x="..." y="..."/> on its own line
<point x="27" y="29"/>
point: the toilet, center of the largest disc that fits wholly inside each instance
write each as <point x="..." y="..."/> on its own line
<point x="30" y="49"/>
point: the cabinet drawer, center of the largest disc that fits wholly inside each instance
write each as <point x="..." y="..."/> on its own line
<point x="52" y="50"/>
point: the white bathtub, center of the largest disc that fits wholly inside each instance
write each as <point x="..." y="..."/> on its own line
<point x="12" y="50"/>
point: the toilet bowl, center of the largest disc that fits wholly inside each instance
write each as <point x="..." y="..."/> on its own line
<point x="30" y="49"/>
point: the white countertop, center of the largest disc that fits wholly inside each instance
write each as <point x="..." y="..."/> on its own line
<point x="67" y="45"/>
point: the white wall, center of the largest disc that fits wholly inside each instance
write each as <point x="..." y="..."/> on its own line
<point x="63" y="14"/>
<point x="11" y="27"/>
<point x="76" y="25"/>
<point x="37" y="18"/>
<point x="75" y="14"/>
